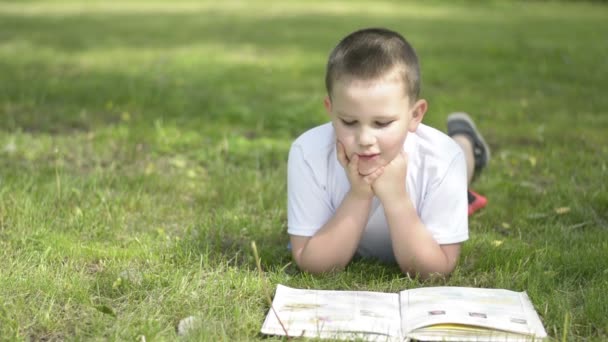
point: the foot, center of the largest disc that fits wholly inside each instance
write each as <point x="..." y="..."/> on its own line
<point x="461" y="123"/>
<point x="476" y="201"/>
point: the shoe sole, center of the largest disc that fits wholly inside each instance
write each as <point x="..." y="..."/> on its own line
<point x="479" y="203"/>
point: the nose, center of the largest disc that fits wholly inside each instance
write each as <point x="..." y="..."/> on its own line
<point x="366" y="137"/>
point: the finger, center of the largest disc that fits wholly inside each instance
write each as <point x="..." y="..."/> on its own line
<point x="353" y="165"/>
<point x="404" y="156"/>
<point x="341" y="154"/>
<point x="369" y="173"/>
<point x="369" y="179"/>
<point x="400" y="159"/>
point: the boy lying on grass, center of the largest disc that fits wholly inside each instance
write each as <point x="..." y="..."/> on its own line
<point x="375" y="181"/>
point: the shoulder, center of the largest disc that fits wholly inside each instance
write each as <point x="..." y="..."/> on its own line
<point x="436" y="141"/>
<point x="315" y="144"/>
<point x="442" y="179"/>
<point x="311" y="155"/>
<point x="434" y="150"/>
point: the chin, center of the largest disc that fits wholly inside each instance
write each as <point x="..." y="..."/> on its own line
<point x="368" y="170"/>
<point x="365" y="173"/>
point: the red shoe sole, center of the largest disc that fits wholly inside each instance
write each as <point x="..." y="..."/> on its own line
<point x="478" y="203"/>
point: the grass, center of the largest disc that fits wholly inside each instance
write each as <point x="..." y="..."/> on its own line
<point x="143" y="148"/>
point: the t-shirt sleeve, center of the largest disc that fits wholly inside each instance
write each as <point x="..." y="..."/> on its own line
<point x="308" y="203"/>
<point x="444" y="209"/>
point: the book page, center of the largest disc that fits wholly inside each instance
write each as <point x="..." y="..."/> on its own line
<point x="372" y="316"/>
<point x="489" y="308"/>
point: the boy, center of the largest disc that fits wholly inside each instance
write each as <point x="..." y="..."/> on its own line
<point x="376" y="181"/>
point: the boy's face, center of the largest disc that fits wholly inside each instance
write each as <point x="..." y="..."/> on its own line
<point x="372" y="119"/>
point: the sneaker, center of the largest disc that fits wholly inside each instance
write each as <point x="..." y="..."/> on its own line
<point x="476" y="201"/>
<point x="461" y="123"/>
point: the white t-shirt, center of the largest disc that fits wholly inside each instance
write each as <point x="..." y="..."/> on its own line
<point x="436" y="183"/>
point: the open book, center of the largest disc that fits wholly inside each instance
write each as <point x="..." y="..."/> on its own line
<point x="429" y="314"/>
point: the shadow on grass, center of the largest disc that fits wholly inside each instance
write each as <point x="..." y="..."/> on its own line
<point x="95" y="99"/>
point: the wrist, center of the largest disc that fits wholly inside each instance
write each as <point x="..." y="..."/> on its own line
<point x="393" y="197"/>
<point x="397" y="202"/>
<point x="361" y="196"/>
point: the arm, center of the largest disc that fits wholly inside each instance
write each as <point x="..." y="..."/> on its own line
<point x="334" y="244"/>
<point x="416" y="250"/>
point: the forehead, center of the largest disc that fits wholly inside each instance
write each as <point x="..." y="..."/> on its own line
<point x="369" y="100"/>
<point x="383" y="91"/>
<point x="392" y="79"/>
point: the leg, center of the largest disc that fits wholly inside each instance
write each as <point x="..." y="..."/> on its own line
<point x="477" y="153"/>
<point x="467" y="146"/>
<point x="463" y="130"/>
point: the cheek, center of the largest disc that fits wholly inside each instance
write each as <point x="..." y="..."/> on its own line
<point x="346" y="137"/>
<point x="392" y="142"/>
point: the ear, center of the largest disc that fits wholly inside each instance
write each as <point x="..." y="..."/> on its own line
<point x="327" y="104"/>
<point x="418" y="111"/>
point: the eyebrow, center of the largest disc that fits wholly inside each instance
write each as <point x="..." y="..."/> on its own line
<point x="377" y="117"/>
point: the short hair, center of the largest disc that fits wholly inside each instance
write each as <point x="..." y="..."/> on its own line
<point x="370" y="53"/>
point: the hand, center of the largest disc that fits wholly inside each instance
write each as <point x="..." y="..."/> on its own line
<point x="390" y="185"/>
<point x="360" y="185"/>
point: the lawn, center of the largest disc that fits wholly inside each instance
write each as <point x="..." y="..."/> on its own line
<point x="143" y="148"/>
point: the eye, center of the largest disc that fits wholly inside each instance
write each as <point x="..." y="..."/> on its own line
<point x="383" y="124"/>
<point x="348" y="123"/>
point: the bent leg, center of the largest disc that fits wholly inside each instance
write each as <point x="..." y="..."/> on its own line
<point x="477" y="153"/>
<point x="467" y="147"/>
<point x="463" y="130"/>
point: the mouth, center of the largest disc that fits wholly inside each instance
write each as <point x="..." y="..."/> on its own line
<point x="368" y="157"/>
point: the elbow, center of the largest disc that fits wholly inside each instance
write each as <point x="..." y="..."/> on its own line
<point x="429" y="272"/>
<point x="315" y="264"/>
<point x="444" y="274"/>
<point x="316" y="267"/>
<point x="432" y="265"/>
<point x="429" y="275"/>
